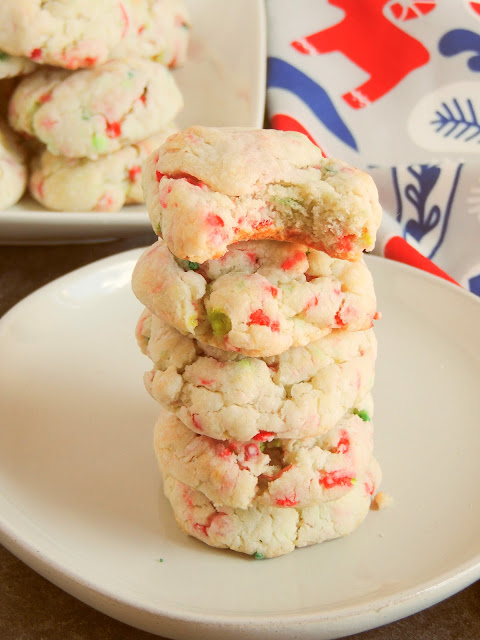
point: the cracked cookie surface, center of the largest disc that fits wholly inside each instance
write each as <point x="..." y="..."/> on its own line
<point x="261" y="298"/>
<point x="86" y="33"/>
<point x="300" y="393"/>
<point x="266" y="531"/>
<point x="93" y="112"/>
<point x="80" y="184"/>
<point x="207" y="188"/>
<point x="267" y="470"/>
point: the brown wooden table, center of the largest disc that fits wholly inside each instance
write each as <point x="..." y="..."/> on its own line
<point x="31" y="608"/>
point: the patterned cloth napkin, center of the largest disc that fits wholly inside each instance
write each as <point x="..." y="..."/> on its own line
<point x="392" y="87"/>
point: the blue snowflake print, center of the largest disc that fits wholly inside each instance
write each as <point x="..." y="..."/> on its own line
<point x="457" y="121"/>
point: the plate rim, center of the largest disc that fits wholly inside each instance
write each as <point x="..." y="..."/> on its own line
<point x="356" y="617"/>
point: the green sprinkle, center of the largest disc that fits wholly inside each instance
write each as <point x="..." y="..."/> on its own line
<point x="220" y="322"/>
<point x="192" y="265"/>
<point x="362" y="414"/>
<point x="160" y="560"/>
<point x="130" y="74"/>
<point x="353" y="480"/>
<point x="288" y="202"/>
<point x="99" y="142"/>
<point x="261" y="446"/>
<point x="258" y="556"/>
<point x="246" y="363"/>
<point x="158" y="229"/>
<point x="3" y="56"/>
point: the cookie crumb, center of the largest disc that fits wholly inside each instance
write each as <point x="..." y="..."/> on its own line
<point x="382" y="501"/>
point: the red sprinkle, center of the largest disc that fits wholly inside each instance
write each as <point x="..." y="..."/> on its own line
<point x="201" y="527"/>
<point x="163" y="195"/>
<point x="90" y="61"/>
<point x="369" y="488"/>
<point x="214" y="220"/>
<point x="338" y="320"/>
<point x="335" y="479"/>
<point x="262" y="436"/>
<point x="48" y="123"/>
<point x="141" y="29"/>
<point x="343" y="445"/>
<point x="262" y="224"/>
<point x="287" y="502"/>
<point x="45" y="97"/>
<point x="259" y="317"/>
<point x="196" y="422"/>
<point x="143" y="97"/>
<point x="273" y="290"/>
<point x="224" y="452"/>
<point x="35" y="54"/>
<point x="206" y="382"/>
<point x="133" y="172"/>
<point x="125" y="19"/>
<point x="292" y="260"/>
<point x="113" y="129"/>
<point x="345" y="244"/>
<point x="159" y="175"/>
<point x="39" y="187"/>
<point x="251" y="450"/>
<point x="313" y="302"/>
<point x="190" y="179"/>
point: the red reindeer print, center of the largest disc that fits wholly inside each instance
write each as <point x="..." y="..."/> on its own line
<point x="475" y="6"/>
<point x="372" y="42"/>
<point x="411" y="10"/>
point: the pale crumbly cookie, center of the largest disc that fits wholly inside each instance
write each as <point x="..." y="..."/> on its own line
<point x="303" y="392"/>
<point x="12" y="66"/>
<point x="261" y="298"/>
<point x="267" y="470"/>
<point x="86" y="33"/>
<point x="93" y="112"/>
<point x="263" y="531"/>
<point x="207" y="188"/>
<point x="63" y="33"/>
<point x="160" y="30"/>
<point x="13" y="168"/>
<point x="80" y="184"/>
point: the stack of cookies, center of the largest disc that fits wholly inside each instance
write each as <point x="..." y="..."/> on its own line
<point x="98" y="96"/>
<point x="258" y="320"/>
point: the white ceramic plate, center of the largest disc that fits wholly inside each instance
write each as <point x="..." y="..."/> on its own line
<point x="223" y="84"/>
<point x="81" y="498"/>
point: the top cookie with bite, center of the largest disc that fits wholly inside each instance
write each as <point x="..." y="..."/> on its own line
<point x="207" y="188"/>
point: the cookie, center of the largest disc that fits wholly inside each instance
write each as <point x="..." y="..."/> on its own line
<point x="270" y="471"/>
<point x="80" y="184"/>
<point x="12" y="66"/>
<point x="66" y="34"/>
<point x="301" y="393"/>
<point x="266" y="532"/>
<point x="159" y="30"/>
<point x="207" y="188"/>
<point x="261" y="298"/>
<point x="94" y="112"/>
<point x="13" y="168"/>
